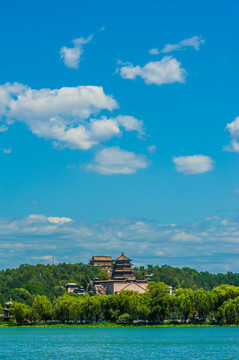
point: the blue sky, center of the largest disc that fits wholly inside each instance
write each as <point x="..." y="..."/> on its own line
<point x="119" y="131"/>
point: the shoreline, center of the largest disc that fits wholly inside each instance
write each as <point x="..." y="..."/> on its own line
<point x="113" y="325"/>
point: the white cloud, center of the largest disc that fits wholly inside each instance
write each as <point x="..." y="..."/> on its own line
<point x="113" y="160"/>
<point x="233" y="146"/>
<point x="3" y="128"/>
<point x="8" y="92"/>
<point x="51" y="219"/>
<point x="206" y="245"/>
<point x="45" y="257"/>
<point x="212" y="218"/>
<point x="166" y="71"/>
<point x="183" y="236"/>
<point x="35" y="217"/>
<point x="233" y="129"/>
<point x="130" y="123"/>
<point x="195" y="164"/>
<point x="68" y="104"/>
<point x="63" y="115"/>
<point x="194" y="42"/>
<point x="154" y="51"/>
<point x="71" y="56"/>
<point x="59" y="220"/>
<point x="228" y="222"/>
<point x="6" y="151"/>
<point x="151" y="149"/>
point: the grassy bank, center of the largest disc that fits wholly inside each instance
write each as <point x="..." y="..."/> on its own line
<point x="114" y="325"/>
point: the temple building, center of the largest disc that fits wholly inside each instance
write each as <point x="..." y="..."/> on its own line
<point x="103" y="262"/>
<point x="71" y="287"/>
<point x="122" y="269"/>
<point x="74" y="288"/>
<point x="122" y="279"/>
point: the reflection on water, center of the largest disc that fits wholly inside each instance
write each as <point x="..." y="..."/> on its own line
<point x="119" y="343"/>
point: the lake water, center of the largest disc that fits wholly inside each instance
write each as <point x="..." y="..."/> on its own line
<point x="119" y="343"/>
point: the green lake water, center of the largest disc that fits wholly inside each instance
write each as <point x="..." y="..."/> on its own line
<point x="119" y="343"/>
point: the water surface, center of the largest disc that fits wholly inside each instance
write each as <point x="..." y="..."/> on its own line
<point x="119" y="343"/>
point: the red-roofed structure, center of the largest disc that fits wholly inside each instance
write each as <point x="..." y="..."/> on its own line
<point x="122" y="278"/>
<point x="103" y="262"/>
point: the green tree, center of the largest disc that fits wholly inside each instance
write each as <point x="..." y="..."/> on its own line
<point x="230" y="310"/>
<point x="103" y="275"/>
<point x="111" y="307"/>
<point x="78" y="308"/>
<point x="42" y="308"/>
<point x="62" y="307"/>
<point x="20" y="312"/>
<point x="204" y="303"/>
<point x="124" y="319"/>
<point x="160" y="301"/>
<point x="185" y="302"/>
<point x="93" y="307"/>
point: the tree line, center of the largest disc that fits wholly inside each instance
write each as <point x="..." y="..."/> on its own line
<point x="50" y="280"/>
<point x="220" y="305"/>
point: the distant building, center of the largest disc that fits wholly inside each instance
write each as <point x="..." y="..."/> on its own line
<point x="122" y="279"/>
<point x="122" y="269"/>
<point x="71" y="287"/>
<point x="6" y="309"/>
<point x="103" y="262"/>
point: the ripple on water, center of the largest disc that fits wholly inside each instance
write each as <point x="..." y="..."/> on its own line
<point x="119" y="343"/>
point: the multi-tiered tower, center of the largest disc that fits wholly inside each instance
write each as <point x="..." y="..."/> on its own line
<point x="122" y="269"/>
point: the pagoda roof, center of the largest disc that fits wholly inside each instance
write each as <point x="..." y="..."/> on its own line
<point x="122" y="257"/>
<point x="71" y="284"/>
<point x="102" y="258"/>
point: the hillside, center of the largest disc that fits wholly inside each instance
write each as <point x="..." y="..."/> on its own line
<point x="50" y="280"/>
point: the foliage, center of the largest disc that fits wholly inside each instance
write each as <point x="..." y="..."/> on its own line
<point x="27" y="280"/>
<point x="50" y="280"/>
<point x="20" y="312"/>
<point x="103" y="275"/>
<point x="154" y="306"/>
<point x="39" y="294"/>
<point x="186" y="277"/>
<point x="42" y="308"/>
<point x="124" y="319"/>
<point x="186" y="302"/>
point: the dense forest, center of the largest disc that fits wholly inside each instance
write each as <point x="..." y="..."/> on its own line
<point x="50" y="280"/>
<point x="186" y="277"/>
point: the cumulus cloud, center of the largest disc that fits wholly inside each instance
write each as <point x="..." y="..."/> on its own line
<point x="205" y="244"/>
<point x="113" y="160"/>
<point x="233" y="129"/>
<point x="194" y="42"/>
<point x="65" y="115"/>
<point x="50" y="219"/>
<point x="166" y="71"/>
<point x="72" y="56"/>
<point x="58" y="220"/>
<point x="195" y="164"/>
